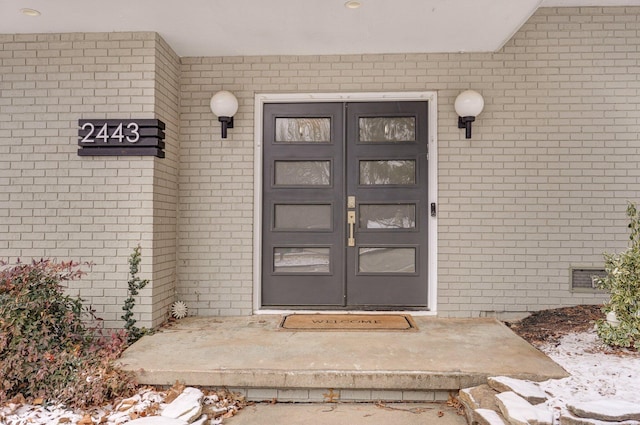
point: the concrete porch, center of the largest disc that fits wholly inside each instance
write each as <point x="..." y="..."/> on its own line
<point x="251" y="355"/>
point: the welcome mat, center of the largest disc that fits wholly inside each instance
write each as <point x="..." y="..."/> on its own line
<point x="348" y="322"/>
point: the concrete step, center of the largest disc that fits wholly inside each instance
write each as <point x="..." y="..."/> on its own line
<point x="252" y="355"/>
<point x="348" y="414"/>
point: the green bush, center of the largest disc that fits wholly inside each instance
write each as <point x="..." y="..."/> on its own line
<point x="623" y="283"/>
<point x="134" y="285"/>
<point x="47" y="350"/>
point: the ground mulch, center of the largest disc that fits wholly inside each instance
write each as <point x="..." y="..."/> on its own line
<point x="548" y="326"/>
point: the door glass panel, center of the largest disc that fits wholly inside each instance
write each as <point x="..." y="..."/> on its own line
<point x="302" y="217"/>
<point x="387" y="129"/>
<point x="386" y="260"/>
<point x="303" y="130"/>
<point x="301" y="260"/>
<point x="387" y="216"/>
<point x="391" y="172"/>
<point x="303" y="173"/>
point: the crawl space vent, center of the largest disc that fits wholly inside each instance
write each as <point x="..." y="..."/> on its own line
<point x="584" y="278"/>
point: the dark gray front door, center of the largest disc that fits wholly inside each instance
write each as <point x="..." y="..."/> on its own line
<point x="345" y="205"/>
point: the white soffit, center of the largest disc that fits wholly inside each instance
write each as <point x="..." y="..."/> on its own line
<point x="289" y="27"/>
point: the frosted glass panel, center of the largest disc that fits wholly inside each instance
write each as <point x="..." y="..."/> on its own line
<point x="301" y="260"/>
<point x="386" y="216"/>
<point x="387" y="129"/>
<point x="303" y="130"/>
<point x="387" y="172"/>
<point x="303" y="217"/>
<point x="303" y="173"/>
<point x="387" y="260"/>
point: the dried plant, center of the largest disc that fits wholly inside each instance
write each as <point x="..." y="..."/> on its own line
<point x="47" y="351"/>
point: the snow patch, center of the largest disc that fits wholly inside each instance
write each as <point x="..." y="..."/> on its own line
<point x="519" y="411"/>
<point x="528" y="390"/>
<point x="595" y="373"/>
<point x="606" y="410"/>
<point x="490" y="417"/>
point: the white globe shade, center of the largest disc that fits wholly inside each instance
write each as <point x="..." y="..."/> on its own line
<point x="469" y="103"/>
<point x="224" y="104"/>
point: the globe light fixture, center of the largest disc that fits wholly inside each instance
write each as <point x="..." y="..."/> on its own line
<point x="468" y="106"/>
<point x="224" y="105"/>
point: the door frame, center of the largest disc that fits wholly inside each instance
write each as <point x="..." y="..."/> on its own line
<point x="432" y="190"/>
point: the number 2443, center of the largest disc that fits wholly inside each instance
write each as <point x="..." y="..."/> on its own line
<point x="118" y="133"/>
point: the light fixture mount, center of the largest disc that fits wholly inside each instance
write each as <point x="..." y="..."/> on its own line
<point x="465" y="122"/>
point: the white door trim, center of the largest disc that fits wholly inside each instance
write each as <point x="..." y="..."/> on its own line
<point x="261" y="99"/>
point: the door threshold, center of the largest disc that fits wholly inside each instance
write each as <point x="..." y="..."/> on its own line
<point x="281" y="312"/>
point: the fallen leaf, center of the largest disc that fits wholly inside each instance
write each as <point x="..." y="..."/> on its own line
<point x="126" y="405"/>
<point x="18" y="399"/>
<point x="174" y="392"/>
<point x="440" y="414"/>
<point x="38" y="401"/>
<point x="64" y="420"/>
<point x="456" y="404"/>
<point x="331" y="397"/>
<point x="86" y="420"/>
<point x="216" y="415"/>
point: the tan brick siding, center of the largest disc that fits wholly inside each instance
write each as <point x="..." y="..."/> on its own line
<point x="94" y="209"/>
<point x="165" y="184"/>
<point x="542" y="185"/>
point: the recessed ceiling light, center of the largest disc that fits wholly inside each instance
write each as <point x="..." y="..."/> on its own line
<point x="29" y="12"/>
<point x="352" y="4"/>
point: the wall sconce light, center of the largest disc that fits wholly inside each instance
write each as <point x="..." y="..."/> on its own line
<point x="224" y="105"/>
<point x="468" y="106"/>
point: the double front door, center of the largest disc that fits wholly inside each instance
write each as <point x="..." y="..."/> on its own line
<point x="345" y="206"/>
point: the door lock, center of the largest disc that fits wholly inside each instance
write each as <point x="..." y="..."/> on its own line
<point x="351" y="221"/>
<point x="351" y="201"/>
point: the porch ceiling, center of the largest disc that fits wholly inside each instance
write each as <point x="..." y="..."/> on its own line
<point x="291" y="27"/>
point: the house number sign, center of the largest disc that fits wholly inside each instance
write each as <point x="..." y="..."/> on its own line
<point x="126" y="137"/>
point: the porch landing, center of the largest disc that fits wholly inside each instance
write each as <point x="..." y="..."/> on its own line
<point x="251" y="355"/>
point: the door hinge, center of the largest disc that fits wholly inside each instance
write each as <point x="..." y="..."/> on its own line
<point x="433" y="209"/>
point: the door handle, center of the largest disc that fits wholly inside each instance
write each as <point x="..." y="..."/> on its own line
<point x="351" y="221"/>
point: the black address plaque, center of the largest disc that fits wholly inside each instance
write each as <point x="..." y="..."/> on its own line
<point x="125" y="137"/>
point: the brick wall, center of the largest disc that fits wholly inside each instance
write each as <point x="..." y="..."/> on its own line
<point x="541" y="186"/>
<point x="56" y="204"/>
<point x="215" y="228"/>
<point x="165" y="184"/>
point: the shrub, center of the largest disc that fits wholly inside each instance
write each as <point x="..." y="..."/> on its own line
<point x="135" y="284"/>
<point x="623" y="282"/>
<point x="46" y="348"/>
